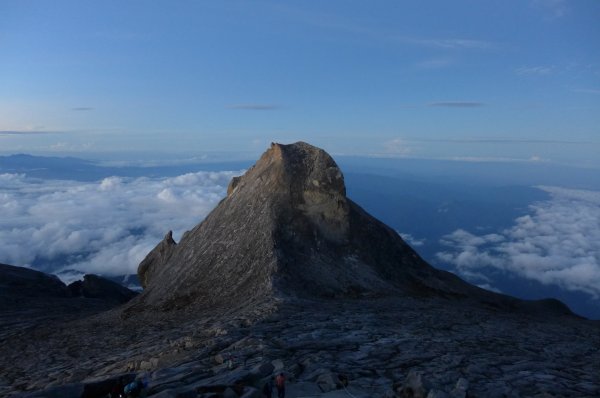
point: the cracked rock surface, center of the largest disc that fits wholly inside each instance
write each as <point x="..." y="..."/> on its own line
<point x="383" y="347"/>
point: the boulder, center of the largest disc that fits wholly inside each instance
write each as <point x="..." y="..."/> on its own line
<point x="413" y="386"/>
<point x="263" y="370"/>
<point x="229" y="393"/>
<point x="328" y="382"/>
<point x="278" y="366"/>
<point x="437" y="394"/>
<point x="460" y="389"/>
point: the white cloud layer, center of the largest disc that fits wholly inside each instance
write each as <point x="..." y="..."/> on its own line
<point x="106" y="227"/>
<point x="558" y="243"/>
<point x="411" y="240"/>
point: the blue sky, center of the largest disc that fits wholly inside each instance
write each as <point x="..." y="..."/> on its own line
<point x="478" y="80"/>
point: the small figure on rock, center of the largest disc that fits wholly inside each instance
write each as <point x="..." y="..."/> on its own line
<point x="280" y="384"/>
<point x="135" y="389"/>
<point x="117" y="390"/>
<point x="268" y="388"/>
<point x="343" y="380"/>
<point x="229" y="361"/>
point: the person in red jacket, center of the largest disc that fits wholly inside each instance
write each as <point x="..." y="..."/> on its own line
<point x="280" y="384"/>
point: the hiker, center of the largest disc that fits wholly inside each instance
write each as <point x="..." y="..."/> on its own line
<point x="268" y="388"/>
<point x="135" y="389"/>
<point x="280" y="384"/>
<point x="117" y="390"/>
<point x="343" y="380"/>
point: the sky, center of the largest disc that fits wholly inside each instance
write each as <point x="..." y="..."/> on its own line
<point x="475" y="80"/>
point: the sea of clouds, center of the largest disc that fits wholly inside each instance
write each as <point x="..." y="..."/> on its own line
<point x="106" y="227"/>
<point x="557" y="243"/>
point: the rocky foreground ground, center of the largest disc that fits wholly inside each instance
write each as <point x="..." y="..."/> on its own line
<point x="384" y="347"/>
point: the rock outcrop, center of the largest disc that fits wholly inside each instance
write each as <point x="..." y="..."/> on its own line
<point x="29" y="298"/>
<point x="17" y="283"/>
<point x="156" y="259"/>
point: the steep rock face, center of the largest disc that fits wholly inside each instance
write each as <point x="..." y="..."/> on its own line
<point x="156" y="259"/>
<point x="287" y="230"/>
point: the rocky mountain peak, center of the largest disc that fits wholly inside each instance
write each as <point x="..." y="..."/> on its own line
<point x="286" y="230"/>
<point x="306" y="178"/>
<point x="295" y="168"/>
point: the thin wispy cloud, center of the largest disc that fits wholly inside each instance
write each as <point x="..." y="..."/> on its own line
<point x="456" y="104"/>
<point x="435" y="63"/>
<point x="551" y="9"/>
<point x="359" y="28"/>
<point x="27" y="132"/>
<point x="447" y="43"/>
<point x="500" y="141"/>
<point x="535" y="70"/>
<point x="494" y="159"/>
<point x="82" y="108"/>
<point x="70" y="147"/>
<point x="586" y="90"/>
<point x="120" y="35"/>
<point x="396" y="147"/>
<point x="557" y="243"/>
<point x="254" y="107"/>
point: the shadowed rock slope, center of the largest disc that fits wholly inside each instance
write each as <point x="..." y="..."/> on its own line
<point x="29" y="298"/>
<point x="287" y="230"/>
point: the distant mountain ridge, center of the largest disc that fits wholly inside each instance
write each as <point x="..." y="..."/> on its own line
<point x="21" y="288"/>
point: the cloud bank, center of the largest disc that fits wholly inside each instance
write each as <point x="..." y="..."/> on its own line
<point x="105" y="227"/>
<point x="558" y="243"/>
<point x="457" y="104"/>
<point x="254" y="107"/>
<point x="26" y="132"/>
